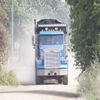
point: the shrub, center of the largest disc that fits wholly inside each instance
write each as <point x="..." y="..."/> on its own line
<point x="90" y="82"/>
<point x="3" y="33"/>
<point x="8" y="77"/>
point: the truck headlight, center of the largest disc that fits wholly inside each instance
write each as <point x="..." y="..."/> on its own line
<point x="64" y="61"/>
<point x="39" y="62"/>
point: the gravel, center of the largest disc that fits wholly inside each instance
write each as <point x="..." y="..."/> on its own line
<point x="39" y="92"/>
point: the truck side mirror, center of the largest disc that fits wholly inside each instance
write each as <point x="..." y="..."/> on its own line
<point x="33" y="41"/>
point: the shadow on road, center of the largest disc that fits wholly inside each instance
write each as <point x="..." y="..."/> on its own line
<point x="47" y="92"/>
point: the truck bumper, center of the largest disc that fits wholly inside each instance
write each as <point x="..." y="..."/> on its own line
<point x="52" y="72"/>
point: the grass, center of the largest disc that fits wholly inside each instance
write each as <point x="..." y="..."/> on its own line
<point x="8" y="77"/>
<point x="90" y="82"/>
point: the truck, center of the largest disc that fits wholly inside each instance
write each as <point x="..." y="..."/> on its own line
<point x="50" y="43"/>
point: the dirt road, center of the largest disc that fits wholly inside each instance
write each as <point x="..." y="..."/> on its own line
<point x="39" y="92"/>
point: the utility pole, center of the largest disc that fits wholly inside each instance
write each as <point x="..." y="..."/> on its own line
<point x="12" y="30"/>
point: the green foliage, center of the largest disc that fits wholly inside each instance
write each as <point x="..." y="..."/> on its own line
<point x="90" y="82"/>
<point x="52" y="9"/>
<point x="96" y="14"/>
<point x="8" y="77"/>
<point x="25" y="11"/>
<point x="85" y="17"/>
<point x="3" y="33"/>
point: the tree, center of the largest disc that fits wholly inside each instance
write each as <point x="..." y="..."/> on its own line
<point x="96" y="14"/>
<point x="3" y="32"/>
<point x="52" y="9"/>
<point x="85" y="29"/>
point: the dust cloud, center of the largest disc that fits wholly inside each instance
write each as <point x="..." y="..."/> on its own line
<point x="24" y="56"/>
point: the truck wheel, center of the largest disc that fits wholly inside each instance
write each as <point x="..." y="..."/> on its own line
<point x="60" y="81"/>
<point x="65" y="79"/>
<point x="39" y="80"/>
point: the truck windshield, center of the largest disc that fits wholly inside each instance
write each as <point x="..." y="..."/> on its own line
<point x="51" y="39"/>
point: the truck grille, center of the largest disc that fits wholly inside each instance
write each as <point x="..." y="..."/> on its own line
<point x="52" y="59"/>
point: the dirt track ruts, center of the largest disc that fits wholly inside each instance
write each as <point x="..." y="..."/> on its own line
<point x="39" y="92"/>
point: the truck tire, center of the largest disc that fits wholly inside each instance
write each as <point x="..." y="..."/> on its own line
<point x="65" y="79"/>
<point x="39" y="80"/>
<point x="60" y="81"/>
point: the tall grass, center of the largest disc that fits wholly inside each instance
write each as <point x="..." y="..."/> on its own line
<point x="90" y="82"/>
<point x="8" y="77"/>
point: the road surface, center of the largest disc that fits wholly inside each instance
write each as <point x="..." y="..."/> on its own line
<point x="39" y="92"/>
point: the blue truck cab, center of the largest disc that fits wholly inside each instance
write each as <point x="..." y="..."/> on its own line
<point x="51" y="60"/>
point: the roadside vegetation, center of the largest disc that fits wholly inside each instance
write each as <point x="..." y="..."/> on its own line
<point x="85" y="25"/>
<point x="7" y="77"/>
<point x="90" y="82"/>
<point x="3" y="33"/>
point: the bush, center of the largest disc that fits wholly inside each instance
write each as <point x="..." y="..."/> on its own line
<point x="3" y="32"/>
<point x="90" y="82"/>
<point x="8" y="77"/>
